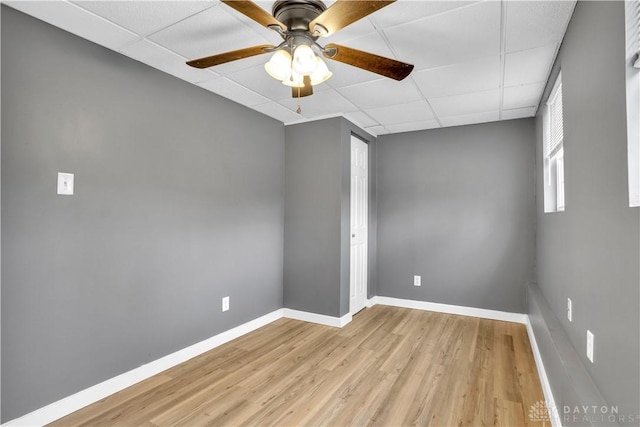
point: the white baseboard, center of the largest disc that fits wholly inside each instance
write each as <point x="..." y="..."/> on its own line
<point x="554" y="414"/>
<point x="452" y="309"/>
<point x="106" y="388"/>
<point x="322" y="319"/>
<point x="83" y="398"/>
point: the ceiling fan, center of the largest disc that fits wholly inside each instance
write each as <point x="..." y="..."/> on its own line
<point x="300" y="23"/>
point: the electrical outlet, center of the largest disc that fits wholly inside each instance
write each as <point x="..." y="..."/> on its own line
<point x="589" y="346"/>
<point x="569" y="310"/>
<point x="417" y="281"/>
<point x="225" y="304"/>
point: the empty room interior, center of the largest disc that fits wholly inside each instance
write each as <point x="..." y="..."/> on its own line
<point x="320" y="213"/>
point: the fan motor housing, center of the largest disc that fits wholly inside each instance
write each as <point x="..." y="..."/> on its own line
<point x="297" y="14"/>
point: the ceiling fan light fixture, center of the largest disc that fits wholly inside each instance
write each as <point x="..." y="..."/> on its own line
<point x="279" y="66"/>
<point x="293" y="80"/>
<point x="304" y="60"/>
<point x="321" y="73"/>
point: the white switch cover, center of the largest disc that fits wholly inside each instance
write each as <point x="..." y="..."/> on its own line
<point x="417" y="280"/>
<point x="65" y="184"/>
<point x="569" y="310"/>
<point x="225" y="304"/>
<point x="590" y="346"/>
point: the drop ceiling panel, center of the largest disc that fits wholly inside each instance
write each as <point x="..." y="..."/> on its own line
<point x="77" y="21"/>
<point x="407" y="11"/>
<point x="321" y="104"/>
<point x="361" y="119"/>
<point x="490" y="116"/>
<point x="394" y="114"/>
<point x="230" y="89"/>
<point x="158" y="57"/>
<point x="522" y="96"/>
<point x="377" y="130"/>
<point x="529" y="66"/>
<point x="259" y="81"/>
<point x="380" y="93"/>
<point x="207" y="33"/>
<point x="536" y="23"/>
<point x="519" y="113"/>
<point x="278" y="112"/>
<point x="449" y="38"/>
<point x="413" y="126"/>
<point x="462" y="53"/>
<point x="468" y="103"/>
<point x="146" y="17"/>
<point x="472" y="76"/>
<point x="355" y="30"/>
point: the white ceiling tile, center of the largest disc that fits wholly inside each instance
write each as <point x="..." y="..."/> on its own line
<point x="78" y="21"/>
<point x="278" y="112"/>
<point x="320" y="104"/>
<point x="395" y="114"/>
<point x="380" y="93"/>
<point x="377" y="130"/>
<point x="468" y="103"/>
<point x="361" y="119"/>
<point x="536" y="23"/>
<point x="257" y="79"/>
<point x="402" y="12"/>
<point x="145" y="17"/>
<point x="231" y="90"/>
<point x="165" y="60"/>
<point x="518" y="113"/>
<point x="472" y="76"/>
<point x="457" y="36"/>
<point x="413" y="126"/>
<point x="522" y="96"/>
<point x="529" y="66"/>
<point x="207" y="33"/>
<point x="355" y="30"/>
<point x="470" y="119"/>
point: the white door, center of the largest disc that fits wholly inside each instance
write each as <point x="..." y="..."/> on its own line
<point x="359" y="224"/>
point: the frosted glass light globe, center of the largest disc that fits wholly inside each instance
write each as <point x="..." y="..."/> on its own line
<point x="304" y="60"/>
<point x="279" y="66"/>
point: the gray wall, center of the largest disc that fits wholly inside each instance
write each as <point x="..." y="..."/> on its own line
<point x="456" y="206"/>
<point x="590" y="253"/>
<point x="178" y="203"/>
<point x="317" y="208"/>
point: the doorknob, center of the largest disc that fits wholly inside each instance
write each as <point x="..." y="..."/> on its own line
<point x="353" y="235"/>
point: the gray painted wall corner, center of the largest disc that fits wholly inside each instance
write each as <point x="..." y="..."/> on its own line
<point x="456" y="206"/>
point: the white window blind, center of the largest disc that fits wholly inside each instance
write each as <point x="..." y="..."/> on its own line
<point x="632" y="17"/>
<point x="556" y="128"/>
<point x="632" y="62"/>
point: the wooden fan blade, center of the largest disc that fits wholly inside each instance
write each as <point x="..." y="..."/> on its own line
<point x="234" y="55"/>
<point x="306" y="90"/>
<point x="387" y="67"/>
<point x="255" y="12"/>
<point x="343" y="13"/>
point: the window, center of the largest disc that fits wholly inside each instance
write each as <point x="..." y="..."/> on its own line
<point x="632" y="70"/>
<point x="553" y="149"/>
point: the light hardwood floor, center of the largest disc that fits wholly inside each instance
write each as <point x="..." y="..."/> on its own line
<point x="389" y="367"/>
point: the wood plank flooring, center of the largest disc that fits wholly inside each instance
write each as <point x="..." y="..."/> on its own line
<point x="389" y="367"/>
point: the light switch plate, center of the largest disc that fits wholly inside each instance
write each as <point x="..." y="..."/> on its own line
<point x="417" y="280"/>
<point x="65" y="184"/>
